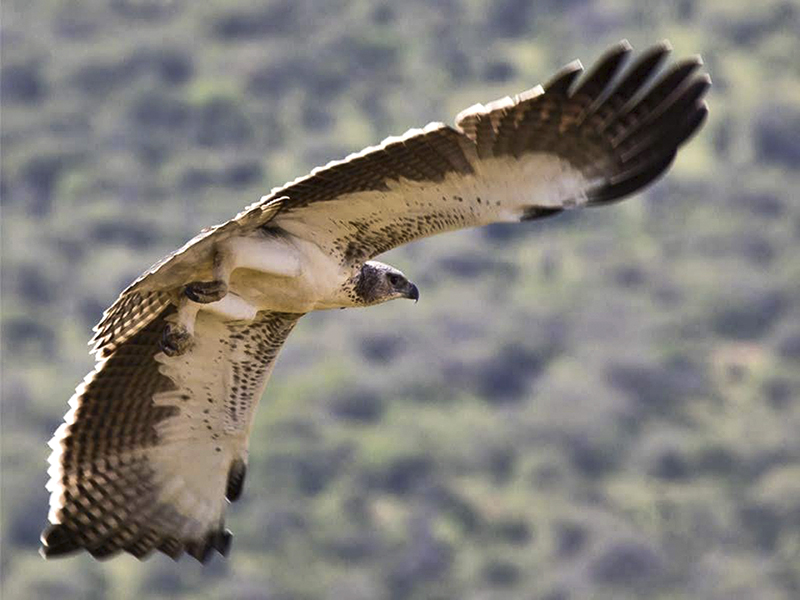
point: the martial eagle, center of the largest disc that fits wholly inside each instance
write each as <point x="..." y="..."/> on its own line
<point x="155" y="443"/>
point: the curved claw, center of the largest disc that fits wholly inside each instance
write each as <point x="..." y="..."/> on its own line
<point x="205" y="292"/>
<point x="175" y="340"/>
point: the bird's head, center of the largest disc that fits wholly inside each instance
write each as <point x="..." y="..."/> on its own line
<point x="378" y="283"/>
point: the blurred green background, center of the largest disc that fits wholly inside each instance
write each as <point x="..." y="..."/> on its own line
<point x="601" y="405"/>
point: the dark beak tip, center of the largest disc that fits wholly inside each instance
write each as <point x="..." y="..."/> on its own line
<point x="413" y="293"/>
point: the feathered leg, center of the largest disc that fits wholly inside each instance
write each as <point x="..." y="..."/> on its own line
<point x="205" y="292"/>
<point x="179" y="331"/>
<point x="258" y="253"/>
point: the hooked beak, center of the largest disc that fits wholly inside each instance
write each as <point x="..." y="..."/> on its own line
<point x="413" y="292"/>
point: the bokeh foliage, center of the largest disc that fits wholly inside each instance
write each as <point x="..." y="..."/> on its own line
<point x="601" y="405"/>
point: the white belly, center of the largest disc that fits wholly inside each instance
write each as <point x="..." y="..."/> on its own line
<point x="314" y="285"/>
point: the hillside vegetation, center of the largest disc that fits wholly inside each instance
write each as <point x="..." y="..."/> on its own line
<point x="605" y="404"/>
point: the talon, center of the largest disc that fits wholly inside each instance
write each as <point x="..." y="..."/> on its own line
<point x="205" y="292"/>
<point x="175" y="340"/>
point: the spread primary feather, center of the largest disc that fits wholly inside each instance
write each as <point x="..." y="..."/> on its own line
<point x="154" y="446"/>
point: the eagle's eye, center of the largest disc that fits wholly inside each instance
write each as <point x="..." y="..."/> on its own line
<point x="394" y="279"/>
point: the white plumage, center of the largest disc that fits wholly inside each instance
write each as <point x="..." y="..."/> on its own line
<point x="155" y="443"/>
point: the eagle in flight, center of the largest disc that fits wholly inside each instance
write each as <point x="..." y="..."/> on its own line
<point x="154" y="445"/>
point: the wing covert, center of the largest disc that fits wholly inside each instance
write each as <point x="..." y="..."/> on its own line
<point x="575" y="141"/>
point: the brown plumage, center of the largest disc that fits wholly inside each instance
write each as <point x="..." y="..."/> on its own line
<point x="156" y="443"/>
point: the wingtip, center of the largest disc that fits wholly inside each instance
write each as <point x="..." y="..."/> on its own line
<point x="694" y="59"/>
<point x="663" y="46"/>
<point x="623" y="45"/>
<point x="618" y="49"/>
<point x="575" y="65"/>
<point x="56" y="541"/>
<point x="562" y="81"/>
<point x="657" y="52"/>
<point x="217" y="541"/>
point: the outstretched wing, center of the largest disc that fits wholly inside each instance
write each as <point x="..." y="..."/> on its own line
<point x="154" y="447"/>
<point x="563" y="145"/>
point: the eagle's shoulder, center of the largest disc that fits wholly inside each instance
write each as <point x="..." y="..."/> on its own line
<point x="159" y="286"/>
